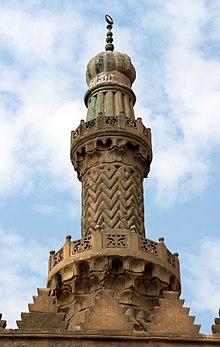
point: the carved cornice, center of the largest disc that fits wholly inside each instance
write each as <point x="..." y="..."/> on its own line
<point x="125" y="140"/>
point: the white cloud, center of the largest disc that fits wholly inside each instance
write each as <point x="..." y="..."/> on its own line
<point x="65" y="211"/>
<point x="37" y="113"/>
<point x="23" y="269"/>
<point x="187" y="129"/>
<point x="42" y="89"/>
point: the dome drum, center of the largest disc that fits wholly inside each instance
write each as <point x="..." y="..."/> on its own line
<point x="109" y="99"/>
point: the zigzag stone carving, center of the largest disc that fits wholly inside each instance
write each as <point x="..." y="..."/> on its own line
<point x="112" y="197"/>
<point x="112" y="155"/>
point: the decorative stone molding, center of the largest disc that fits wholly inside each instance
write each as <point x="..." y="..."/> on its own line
<point x="106" y="242"/>
<point x="116" y="241"/>
<point x="148" y="246"/>
<point x="136" y="290"/>
<point x="81" y="245"/>
<point x="112" y="122"/>
<point x="112" y="197"/>
<point x="57" y="257"/>
<point x="135" y="282"/>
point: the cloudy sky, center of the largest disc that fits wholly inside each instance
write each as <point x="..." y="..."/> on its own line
<point x="44" y="49"/>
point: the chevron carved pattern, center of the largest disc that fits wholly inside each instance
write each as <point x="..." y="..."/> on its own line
<point x="112" y="196"/>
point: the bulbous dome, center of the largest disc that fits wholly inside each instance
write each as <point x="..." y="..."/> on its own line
<point x="107" y="62"/>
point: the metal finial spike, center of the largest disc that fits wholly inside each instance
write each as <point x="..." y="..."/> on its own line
<point x="109" y="46"/>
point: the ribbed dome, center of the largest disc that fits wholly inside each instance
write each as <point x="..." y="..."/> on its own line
<point x="110" y="61"/>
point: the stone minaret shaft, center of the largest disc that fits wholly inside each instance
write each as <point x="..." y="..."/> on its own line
<point x="111" y="151"/>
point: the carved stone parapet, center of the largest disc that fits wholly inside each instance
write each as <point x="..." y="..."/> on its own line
<point x="57" y="257"/>
<point x="115" y="123"/>
<point x="120" y="139"/>
<point x="116" y="240"/>
<point x="108" y="243"/>
<point x="81" y="245"/>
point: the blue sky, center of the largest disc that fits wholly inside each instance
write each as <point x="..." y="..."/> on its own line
<point x="44" y="49"/>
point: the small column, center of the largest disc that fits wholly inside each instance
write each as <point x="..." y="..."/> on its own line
<point x="109" y="103"/>
<point x="100" y="103"/>
<point x="132" y="110"/>
<point x="92" y="108"/>
<point x="118" y="102"/>
<point x="127" y="105"/>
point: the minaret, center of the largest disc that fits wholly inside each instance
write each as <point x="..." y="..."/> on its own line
<point x="111" y="152"/>
<point x="113" y="277"/>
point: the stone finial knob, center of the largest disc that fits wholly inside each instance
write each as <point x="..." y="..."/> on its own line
<point x="161" y="239"/>
<point x="68" y="238"/>
<point x="133" y="229"/>
<point x="97" y="227"/>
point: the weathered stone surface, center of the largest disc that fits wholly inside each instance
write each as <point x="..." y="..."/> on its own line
<point x="171" y="317"/>
<point x="44" y="302"/>
<point x="106" y="315"/>
<point x="136" y="283"/>
<point x="103" y="205"/>
<point x="216" y="326"/>
<point x="43" y="313"/>
<point x="42" y="321"/>
<point x="108" y="338"/>
<point x="112" y="155"/>
<point x="103" y="245"/>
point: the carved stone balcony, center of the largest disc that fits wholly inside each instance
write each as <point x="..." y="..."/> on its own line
<point x="106" y="243"/>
